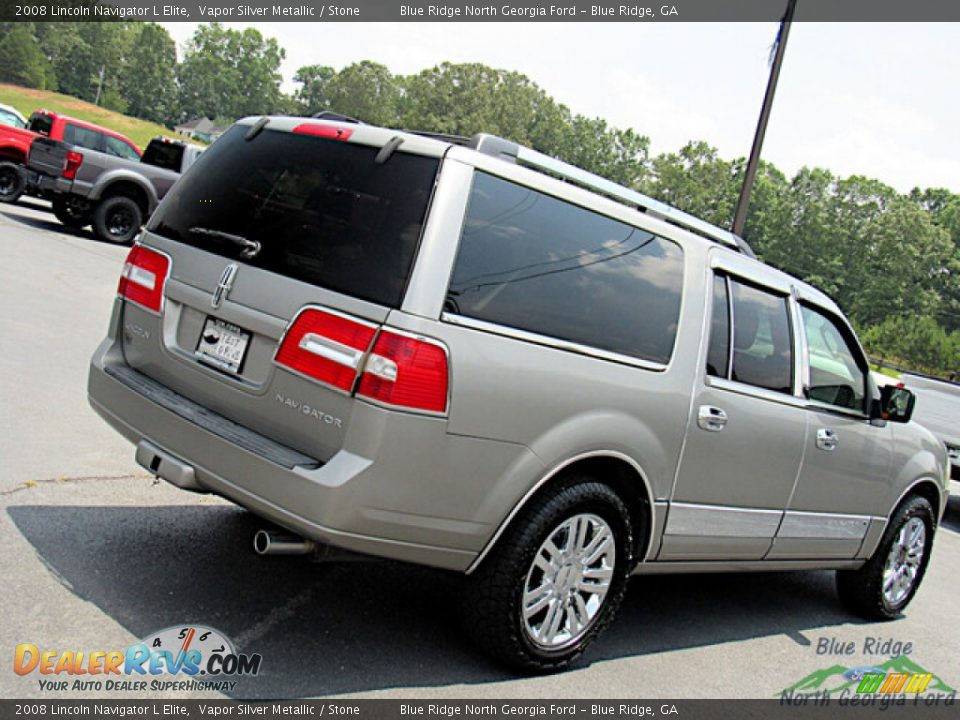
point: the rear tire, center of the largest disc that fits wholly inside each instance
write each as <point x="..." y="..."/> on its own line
<point x="886" y="584"/>
<point x="71" y="210"/>
<point x="117" y="219"/>
<point x="12" y="182"/>
<point x="555" y="579"/>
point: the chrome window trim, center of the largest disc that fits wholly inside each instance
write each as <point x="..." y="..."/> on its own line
<point x="547" y="341"/>
<point x="756" y="392"/>
<point x="651" y="532"/>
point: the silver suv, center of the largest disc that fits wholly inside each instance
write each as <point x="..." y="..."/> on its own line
<point x="469" y="355"/>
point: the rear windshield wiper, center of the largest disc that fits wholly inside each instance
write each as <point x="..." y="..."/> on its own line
<point x="250" y="248"/>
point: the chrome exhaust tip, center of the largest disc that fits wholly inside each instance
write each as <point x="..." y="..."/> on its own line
<point x="275" y="542"/>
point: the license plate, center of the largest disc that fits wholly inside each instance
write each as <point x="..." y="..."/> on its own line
<point x="223" y="345"/>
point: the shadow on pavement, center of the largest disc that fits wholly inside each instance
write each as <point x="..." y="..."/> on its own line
<point x="359" y="626"/>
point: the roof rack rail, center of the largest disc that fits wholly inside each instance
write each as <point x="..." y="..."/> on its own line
<point x="336" y="117"/>
<point x="513" y="152"/>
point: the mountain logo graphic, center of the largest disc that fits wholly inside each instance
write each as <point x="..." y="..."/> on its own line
<point x="898" y="675"/>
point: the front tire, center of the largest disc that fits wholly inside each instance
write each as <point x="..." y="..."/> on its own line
<point x="12" y="182"/>
<point x="555" y="579"/>
<point x="117" y="219"/>
<point x="886" y="584"/>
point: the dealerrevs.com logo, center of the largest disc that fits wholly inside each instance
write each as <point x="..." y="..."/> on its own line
<point x="181" y="657"/>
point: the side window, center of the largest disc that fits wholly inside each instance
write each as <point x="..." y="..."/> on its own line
<point x="836" y="375"/>
<point x="81" y="136"/>
<point x="118" y="148"/>
<point x="533" y="262"/>
<point x="762" y="344"/>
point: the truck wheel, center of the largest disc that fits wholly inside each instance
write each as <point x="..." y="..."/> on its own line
<point x="555" y="579"/>
<point x="117" y="219"/>
<point x="72" y="211"/>
<point x="886" y="584"/>
<point x="12" y="182"/>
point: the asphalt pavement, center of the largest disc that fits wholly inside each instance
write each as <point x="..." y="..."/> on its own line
<point x="98" y="555"/>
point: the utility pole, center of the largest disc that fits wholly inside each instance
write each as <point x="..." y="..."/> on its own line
<point x="751" y="172"/>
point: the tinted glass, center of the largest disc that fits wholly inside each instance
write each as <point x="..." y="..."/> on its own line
<point x="40" y="123"/>
<point x="117" y="147"/>
<point x="718" y="356"/>
<point x="533" y="262"/>
<point x="81" y="136"/>
<point x="836" y="378"/>
<point x="762" y="346"/>
<point x="322" y="210"/>
<point x="164" y="155"/>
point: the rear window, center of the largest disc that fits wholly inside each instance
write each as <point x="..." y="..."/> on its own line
<point x="165" y="155"/>
<point x="40" y="123"/>
<point x="323" y="211"/>
<point x="536" y="263"/>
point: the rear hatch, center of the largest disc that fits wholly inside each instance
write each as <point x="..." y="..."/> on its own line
<point x="286" y="249"/>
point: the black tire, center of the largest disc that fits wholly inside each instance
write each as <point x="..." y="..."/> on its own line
<point x="12" y="182"/>
<point x="862" y="590"/>
<point x="492" y="603"/>
<point x="72" y="211"/>
<point x="117" y="219"/>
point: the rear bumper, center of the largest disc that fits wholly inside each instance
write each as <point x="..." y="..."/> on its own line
<point x="38" y="182"/>
<point x="396" y="489"/>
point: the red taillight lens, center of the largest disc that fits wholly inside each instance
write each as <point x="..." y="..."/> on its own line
<point x="74" y="161"/>
<point x="326" y="347"/>
<point x="143" y="277"/>
<point x="406" y="372"/>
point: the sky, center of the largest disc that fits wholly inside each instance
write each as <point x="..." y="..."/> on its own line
<point x="874" y="99"/>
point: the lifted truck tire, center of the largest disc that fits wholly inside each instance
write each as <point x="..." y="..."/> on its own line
<point x="72" y="211"/>
<point x="12" y="182"/>
<point x="117" y="219"/>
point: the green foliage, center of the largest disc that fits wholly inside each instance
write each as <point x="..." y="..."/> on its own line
<point x="915" y="341"/>
<point x="22" y="61"/>
<point x="230" y="73"/>
<point x="147" y="80"/>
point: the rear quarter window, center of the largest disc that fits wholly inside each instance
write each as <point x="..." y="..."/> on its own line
<point x="82" y="137"/>
<point x="536" y="263"/>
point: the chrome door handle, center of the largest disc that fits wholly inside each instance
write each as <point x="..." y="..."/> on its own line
<point x="827" y="439"/>
<point x="711" y="419"/>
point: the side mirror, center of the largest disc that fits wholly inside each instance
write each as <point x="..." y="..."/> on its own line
<point x="895" y="404"/>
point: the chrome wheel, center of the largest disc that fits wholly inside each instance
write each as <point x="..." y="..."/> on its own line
<point x="568" y="581"/>
<point x="904" y="561"/>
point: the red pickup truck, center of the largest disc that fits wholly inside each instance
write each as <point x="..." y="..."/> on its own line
<point x="15" y="146"/>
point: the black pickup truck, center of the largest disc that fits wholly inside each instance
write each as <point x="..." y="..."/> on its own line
<point x="114" y="195"/>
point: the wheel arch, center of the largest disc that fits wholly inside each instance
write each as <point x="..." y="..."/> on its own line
<point x="127" y="188"/>
<point x="616" y="470"/>
<point x="925" y="488"/>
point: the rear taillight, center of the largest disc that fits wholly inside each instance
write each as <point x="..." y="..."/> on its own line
<point x="143" y="277"/>
<point x="73" y="163"/>
<point x="406" y="372"/>
<point x="326" y="346"/>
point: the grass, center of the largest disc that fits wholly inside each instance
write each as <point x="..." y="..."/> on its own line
<point x="26" y="100"/>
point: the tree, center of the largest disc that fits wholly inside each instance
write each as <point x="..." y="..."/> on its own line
<point x="22" y="61"/>
<point x="697" y="181"/>
<point x="147" y="80"/>
<point x="313" y="96"/>
<point x="230" y="73"/>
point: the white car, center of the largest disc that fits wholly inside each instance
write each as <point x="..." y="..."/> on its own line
<point x="10" y="116"/>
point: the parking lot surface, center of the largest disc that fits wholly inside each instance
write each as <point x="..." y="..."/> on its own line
<point x="98" y="555"/>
